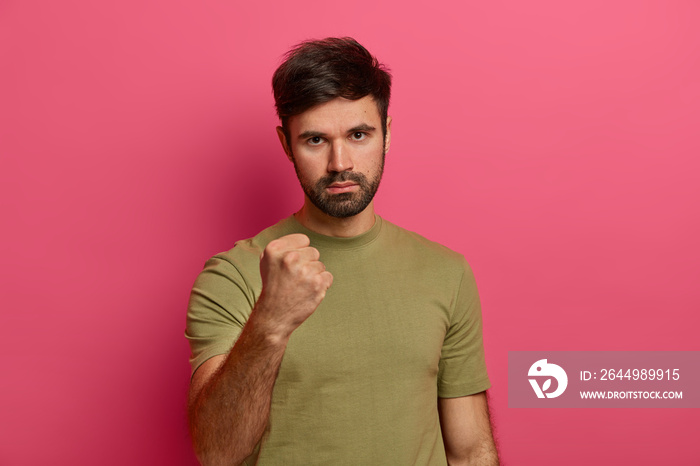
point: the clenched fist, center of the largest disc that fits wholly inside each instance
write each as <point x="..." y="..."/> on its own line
<point x="294" y="283"/>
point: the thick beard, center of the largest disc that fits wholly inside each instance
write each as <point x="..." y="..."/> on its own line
<point x="342" y="205"/>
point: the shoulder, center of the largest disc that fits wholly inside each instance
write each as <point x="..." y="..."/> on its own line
<point x="244" y="257"/>
<point x="251" y="248"/>
<point x="427" y="251"/>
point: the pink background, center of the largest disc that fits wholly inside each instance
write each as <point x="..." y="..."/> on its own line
<point x="554" y="143"/>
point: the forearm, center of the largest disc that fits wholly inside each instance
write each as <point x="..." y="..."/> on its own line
<point x="482" y="453"/>
<point x="230" y="413"/>
<point x="467" y="432"/>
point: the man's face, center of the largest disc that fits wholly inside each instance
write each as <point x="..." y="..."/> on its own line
<point x="338" y="153"/>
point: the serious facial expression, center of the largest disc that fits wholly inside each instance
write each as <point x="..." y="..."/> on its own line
<point x="338" y="152"/>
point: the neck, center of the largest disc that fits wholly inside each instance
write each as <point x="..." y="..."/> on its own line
<point x="315" y="220"/>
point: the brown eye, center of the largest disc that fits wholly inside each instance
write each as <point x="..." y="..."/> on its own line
<point x="358" y="136"/>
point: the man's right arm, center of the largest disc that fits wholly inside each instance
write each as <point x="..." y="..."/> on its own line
<point x="229" y="402"/>
<point x="230" y="396"/>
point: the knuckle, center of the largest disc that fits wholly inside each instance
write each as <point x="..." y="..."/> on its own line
<point x="303" y="239"/>
<point x="296" y="240"/>
<point x="314" y="253"/>
<point x="290" y="258"/>
<point x="318" y="285"/>
<point x="323" y="281"/>
<point x="272" y="247"/>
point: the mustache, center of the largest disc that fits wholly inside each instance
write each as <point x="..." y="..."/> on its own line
<point x="339" y="177"/>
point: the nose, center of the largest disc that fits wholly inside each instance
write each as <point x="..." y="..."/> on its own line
<point x="339" y="158"/>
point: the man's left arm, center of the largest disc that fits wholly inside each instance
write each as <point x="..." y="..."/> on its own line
<point x="466" y="431"/>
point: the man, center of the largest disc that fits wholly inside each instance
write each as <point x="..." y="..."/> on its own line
<point x="335" y="337"/>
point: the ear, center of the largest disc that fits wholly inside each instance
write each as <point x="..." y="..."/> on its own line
<point x="283" y="141"/>
<point x="387" y="138"/>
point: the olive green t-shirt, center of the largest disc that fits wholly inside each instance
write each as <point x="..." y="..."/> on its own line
<point x="360" y="378"/>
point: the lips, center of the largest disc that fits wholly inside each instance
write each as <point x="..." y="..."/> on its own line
<point x="345" y="187"/>
<point x="343" y="182"/>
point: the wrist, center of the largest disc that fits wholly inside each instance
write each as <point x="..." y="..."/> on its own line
<point x="270" y="330"/>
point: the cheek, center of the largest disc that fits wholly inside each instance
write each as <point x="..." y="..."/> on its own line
<point x="373" y="160"/>
<point x="306" y="169"/>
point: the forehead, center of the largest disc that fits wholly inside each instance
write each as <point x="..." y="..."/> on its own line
<point x="337" y="115"/>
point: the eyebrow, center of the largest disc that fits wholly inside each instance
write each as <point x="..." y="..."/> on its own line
<point x="362" y="127"/>
<point x="318" y="134"/>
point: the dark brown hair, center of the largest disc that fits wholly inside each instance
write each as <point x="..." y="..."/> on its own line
<point x="315" y="72"/>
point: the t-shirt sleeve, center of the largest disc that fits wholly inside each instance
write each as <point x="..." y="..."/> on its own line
<point x="462" y="367"/>
<point x="219" y="306"/>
